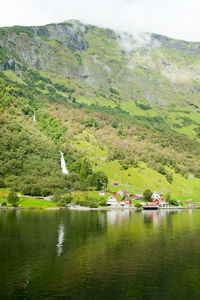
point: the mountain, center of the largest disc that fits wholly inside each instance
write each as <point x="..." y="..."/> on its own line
<point x="127" y="105"/>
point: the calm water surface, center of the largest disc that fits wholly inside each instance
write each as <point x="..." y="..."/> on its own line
<point x="100" y="255"/>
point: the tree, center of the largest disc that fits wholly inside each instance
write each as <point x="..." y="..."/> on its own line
<point x="168" y="197"/>
<point x="36" y="190"/>
<point x="26" y="109"/>
<point x="56" y="196"/>
<point x="169" y="177"/>
<point x="114" y="91"/>
<point x="2" y="183"/>
<point x="147" y="195"/>
<point x="161" y="170"/>
<point x="85" y="169"/>
<point x="13" y="198"/>
<point x="115" y="124"/>
<point x="91" y="122"/>
<point x="99" y="180"/>
<point x="67" y="198"/>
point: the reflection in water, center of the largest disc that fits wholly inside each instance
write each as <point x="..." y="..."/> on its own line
<point x="117" y="254"/>
<point x="157" y="216"/>
<point x="61" y="235"/>
<point x="118" y="216"/>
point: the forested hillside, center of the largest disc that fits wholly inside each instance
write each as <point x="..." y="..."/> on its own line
<point x="116" y="106"/>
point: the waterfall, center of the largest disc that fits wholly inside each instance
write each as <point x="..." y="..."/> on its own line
<point x="61" y="234"/>
<point x="34" y="119"/>
<point x="63" y="165"/>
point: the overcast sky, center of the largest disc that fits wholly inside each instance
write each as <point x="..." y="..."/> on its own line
<point x="174" y="18"/>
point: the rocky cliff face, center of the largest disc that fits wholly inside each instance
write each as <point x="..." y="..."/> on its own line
<point x="146" y="67"/>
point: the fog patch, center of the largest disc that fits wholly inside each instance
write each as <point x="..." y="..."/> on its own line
<point x="100" y="64"/>
<point x="133" y="41"/>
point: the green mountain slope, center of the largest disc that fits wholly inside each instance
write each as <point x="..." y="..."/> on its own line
<point x="129" y="105"/>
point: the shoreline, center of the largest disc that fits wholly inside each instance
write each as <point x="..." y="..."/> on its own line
<point x="83" y="208"/>
<point x="18" y="208"/>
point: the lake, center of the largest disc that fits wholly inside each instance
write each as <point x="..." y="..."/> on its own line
<point x="100" y="254"/>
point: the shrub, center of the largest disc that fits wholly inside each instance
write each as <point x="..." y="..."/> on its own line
<point x="67" y="198"/>
<point x="15" y="127"/>
<point x="13" y="198"/>
<point x="173" y="202"/>
<point x="168" y="197"/>
<point x="91" y="122"/>
<point x="143" y="106"/>
<point x="84" y="202"/>
<point x="93" y="204"/>
<point x="115" y="124"/>
<point x="26" y="109"/>
<point x="138" y="205"/>
<point x="114" y="91"/>
<point x="56" y="197"/>
<point x="103" y="202"/>
<point x="161" y="170"/>
<point x="169" y="177"/>
<point x="2" y="183"/>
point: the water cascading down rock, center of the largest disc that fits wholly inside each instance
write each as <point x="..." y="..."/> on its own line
<point x="34" y="119"/>
<point x="63" y="165"/>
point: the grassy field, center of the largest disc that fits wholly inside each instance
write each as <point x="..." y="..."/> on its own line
<point x="26" y="202"/>
<point x="31" y="202"/>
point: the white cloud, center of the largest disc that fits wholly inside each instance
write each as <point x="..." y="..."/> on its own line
<point x="174" y="18"/>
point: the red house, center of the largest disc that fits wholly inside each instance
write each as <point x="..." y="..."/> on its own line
<point x="126" y="200"/>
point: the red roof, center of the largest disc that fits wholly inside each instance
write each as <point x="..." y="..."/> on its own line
<point x="126" y="200"/>
<point x="150" y="204"/>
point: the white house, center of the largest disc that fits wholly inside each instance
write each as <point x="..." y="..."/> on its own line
<point x="112" y="201"/>
<point x="163" y="203"/>
<point x="156" y="196"/>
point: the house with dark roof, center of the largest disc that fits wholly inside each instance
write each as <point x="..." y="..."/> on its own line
<point x="125" y="201"/>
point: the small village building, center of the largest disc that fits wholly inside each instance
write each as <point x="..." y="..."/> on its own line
<point x="125" y="201"/>
<point x="163" y="204"/>
<point x="189" y="202"/>
<point x="115" y="183"/>
<point x="159" y="200"/>
<point x="112" y="201"/>
<point x="157" y="196"/>
<point x="137" y="196"/>
<point x="123" y="193"/>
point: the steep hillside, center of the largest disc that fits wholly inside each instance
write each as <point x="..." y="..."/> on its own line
<point x="128" y="106"/>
